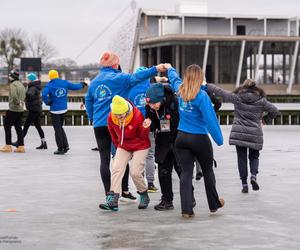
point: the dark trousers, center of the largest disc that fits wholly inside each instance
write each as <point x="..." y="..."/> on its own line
<point x="104" y="145"/>
<point x="60" y="135"/>
<point x="189" y="147"/>
<point x="13" y="119"/>
<point x="33" y="117"/>
<point x="165" y="175"/>
<point x="242" y="155"/>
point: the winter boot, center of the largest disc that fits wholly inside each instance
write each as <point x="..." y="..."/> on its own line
<point x="111" y="202"/>
<point x="6" y="149"/>
<point x="43" y="145"/>
<point x="245" y="189"/>
<point x="144" y="200"/>
<point x="254" y="183"/>
<point x="20" y="149"/>
<point x="187" y="215"/>
<point x="164" y="205"/>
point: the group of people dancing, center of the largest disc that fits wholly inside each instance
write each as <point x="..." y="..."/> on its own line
<point x="142" y="118"/>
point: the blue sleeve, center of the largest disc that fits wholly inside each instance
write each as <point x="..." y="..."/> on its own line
<point x="131" y="80"/>
<point x="89" y="104"/>
<point x="74" y="86"/>
<point x="175" y="80"/>
<point x="45" y="95"/>
<point x="211" y="120"/>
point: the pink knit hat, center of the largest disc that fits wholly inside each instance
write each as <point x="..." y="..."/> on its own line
<point x="109" y="59"/>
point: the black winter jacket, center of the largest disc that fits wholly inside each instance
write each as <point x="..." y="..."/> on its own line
<point x="33" y="97"/>
<point x="164" y="141"/>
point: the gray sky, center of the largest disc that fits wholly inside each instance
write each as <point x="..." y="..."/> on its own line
<point x="70" y="25"/>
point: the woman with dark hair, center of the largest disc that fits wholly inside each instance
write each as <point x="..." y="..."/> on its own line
<point x="250" y="106"/>
<point x="197" y="119"/>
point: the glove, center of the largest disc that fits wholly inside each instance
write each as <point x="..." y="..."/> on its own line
<point x="84" y="84"/>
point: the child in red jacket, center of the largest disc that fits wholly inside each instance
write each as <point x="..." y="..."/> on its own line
<point x="130" y="135"/>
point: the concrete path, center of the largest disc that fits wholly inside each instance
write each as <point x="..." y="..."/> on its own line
<point x="51" y="202"/>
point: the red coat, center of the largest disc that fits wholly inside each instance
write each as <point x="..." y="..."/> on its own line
<point x="135" y="136"/>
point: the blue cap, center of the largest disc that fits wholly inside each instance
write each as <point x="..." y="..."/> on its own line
<point x="140" y="69"/>
<point x="155" y="93"/>
<point x="31" y="77"/>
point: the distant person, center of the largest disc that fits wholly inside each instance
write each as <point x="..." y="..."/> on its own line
<point x="129" y="131"/>
<point x="55" y="94"/>
<point x="251" y="110"/>
<point x="33" y="103"/>
<point x="13" y="116"/>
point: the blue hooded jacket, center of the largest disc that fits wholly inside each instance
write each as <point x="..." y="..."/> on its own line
<point x="137" y="95"/>
<point x="55" y="93"/>
<point x="108" y="83"/>
<point x="196" y="116"/>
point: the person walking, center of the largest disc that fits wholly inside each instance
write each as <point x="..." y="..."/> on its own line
<point x="251" y="111"/>
<point x="110" y="82"/>
<point x="33" y="103"/>
<point x="55" y="94"/>
<point x="197" y="119"/>
<point x="130" y="135"/>
<point x="13" y="116"/>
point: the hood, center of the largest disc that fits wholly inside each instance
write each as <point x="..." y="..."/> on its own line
<point x="249" y="96"/>
<point x="36" y="84"/>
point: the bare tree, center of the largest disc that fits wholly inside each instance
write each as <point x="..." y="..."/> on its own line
<point x="12" y="46"/>
<point x="38" y="46"/>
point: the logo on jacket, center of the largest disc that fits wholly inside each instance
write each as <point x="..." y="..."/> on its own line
<point x="140" y="100"/>
<point x="185" y="106"/>
<point x="60" y="92"/>
<point x="103" y="92"/>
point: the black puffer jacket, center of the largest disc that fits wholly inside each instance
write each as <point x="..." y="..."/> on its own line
<point x="33" y="97"/>
<point x="250" y="104"/>
<point x="164" y="141"/>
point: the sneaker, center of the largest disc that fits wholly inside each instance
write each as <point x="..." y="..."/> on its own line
<point x="164" y="205"/>
<point x="144" y="200"/>
<point x="152" y="188"/>
<point x="111" y="202"/>
<point x="245" y="188"/>
<point x="254" y="184"/>
<point x="127" y="197"/>
<point x="222" y="202"/>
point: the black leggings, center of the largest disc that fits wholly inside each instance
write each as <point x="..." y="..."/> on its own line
<point x="104" y="145"/>
<point x="13" y="119"/>
<point x="189" y="147"/>
<point x="33" y="117"/>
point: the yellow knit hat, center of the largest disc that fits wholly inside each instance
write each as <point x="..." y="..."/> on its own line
<point x="119" y="105"/>
<point x="53" y="74"/>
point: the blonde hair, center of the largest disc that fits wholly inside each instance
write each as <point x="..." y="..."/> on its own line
<point x="192" y="81"/>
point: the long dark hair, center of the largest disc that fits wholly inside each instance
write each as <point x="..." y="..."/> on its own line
<point x="250" y="85"/>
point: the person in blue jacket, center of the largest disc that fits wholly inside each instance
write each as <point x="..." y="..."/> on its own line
<point x="137" y="95"/>
<point x="55" y="94"/>
<point x="197" y="119"/>
<point x="110" y="82"/>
